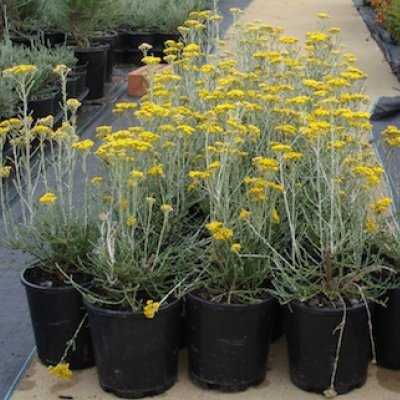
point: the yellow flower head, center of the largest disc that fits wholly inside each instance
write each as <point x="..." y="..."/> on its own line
<point x="275" y="219"/>
<point x="62" y="70"/>
<point x="151" y="309"/>
<point x="381" y="205"/>
<point x="22" y="69"/>
<point x="293" y="155"/>
<point x="157" y="170"/>
<point x="199" y="174"/>
<point x="145" y="47"/>
<point x="60" y="370"/>
<point x="151" y="60"/>
<point x="219" y="231"/>
<point x="83" y="145"/>
<point x="150" y="201"/>
<point x="73" y="104"/>
<point x="266" y="164"/>
<point x="236" y="247"/>
<point x="371" y="225"/>
<point x="48" y="198"/>
<point x="97" y="179"/>
<point x="281" y="147"/>
<point x="124" y="106"/>
<point x="214" y="165"/>
<point x="235" y="11"/>
<point x="46" y="121"/>
<point x="5" y="171"/>
<point x="244" y="214"/>
<point x="166" y="208"/>
<point x="137" y="175"/>
<point x="131" y="221"/>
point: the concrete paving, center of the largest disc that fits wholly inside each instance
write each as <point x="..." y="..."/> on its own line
<point x="298" y="17"/>
<point x="37" y="384"/>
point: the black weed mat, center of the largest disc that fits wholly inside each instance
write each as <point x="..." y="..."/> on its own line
<point x="386" y="112"/>
<point x="390" y="49"/>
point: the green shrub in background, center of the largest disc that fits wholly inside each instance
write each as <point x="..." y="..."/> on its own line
<point x="45" y="80"/>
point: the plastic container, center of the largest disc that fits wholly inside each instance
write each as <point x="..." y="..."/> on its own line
<point x="136" y="356"/>
<point x="96" y="60"/>
<point x="228" y="343"/>
<point x="387" y="331"/>
<point x="56" y="313"/>
<point x="312" y="337"/>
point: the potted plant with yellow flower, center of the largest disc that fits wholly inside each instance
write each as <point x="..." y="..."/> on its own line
<point x="326" y="275"/>
<point x="230" y="314"/>
<point x="38" y="198"/>
<point x="141" y="266"/>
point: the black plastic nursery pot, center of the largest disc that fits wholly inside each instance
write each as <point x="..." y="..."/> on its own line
<point x="228" y="343"/>
<point x="54" y="38"/>
<point x="56" y="313"/>
<point x="43" y="106"/>
<point x="162" y="37"/>
<point x="96" y="60"/>
<point x="136" y="37"/>
<point x="72" y="86"/>
<point x="312" y="336"/>
<point x="80" y="72"/>
<point x="136" y="356"/>
<point x="386" y="327"/>
<point x="278" y="317"/>
<point x="108" y="38"/>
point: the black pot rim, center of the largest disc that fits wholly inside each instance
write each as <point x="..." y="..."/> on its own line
<point x="129" y="314"/>
<point x="99" y="48"/>
<point x="233" y="306"/>
<point x="326" y="310"/>
<point x="39" y="288"/>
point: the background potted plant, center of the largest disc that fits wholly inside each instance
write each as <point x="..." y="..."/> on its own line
<point x="81" y="20"/>
<point x="19" y="19"/>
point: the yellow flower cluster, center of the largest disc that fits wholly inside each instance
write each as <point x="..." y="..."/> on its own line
<point x="48" y="198"/>
<point x="22" y="69"/>
<point x="60" y="370"/>
<point x="381" y="205"/>
<point x="83" y="145"/>
<point x="151" y="309"/>
<point x="219" y="231"/>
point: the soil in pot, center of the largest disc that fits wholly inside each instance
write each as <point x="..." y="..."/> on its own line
<point x="386" y="327"/>
<point x="136" y="356"/>
<point x="56" y="311"/>
<point x="228" y="343"/>
<point x="96" y="60"/>
<point x="312" y="335"/>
